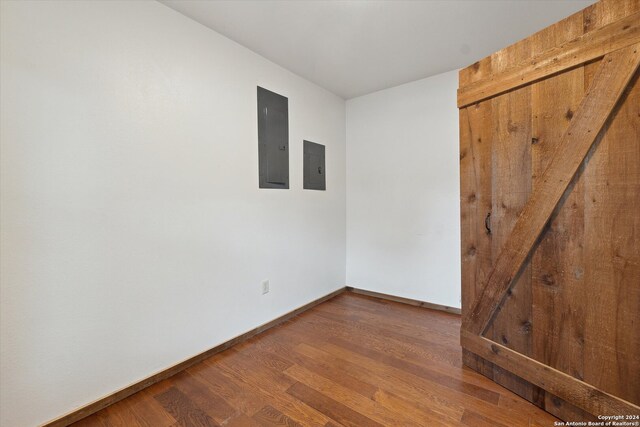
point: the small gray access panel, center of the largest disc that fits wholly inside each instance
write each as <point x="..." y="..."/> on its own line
<point x="273" y="139"/>
<point x="314" y="171"/>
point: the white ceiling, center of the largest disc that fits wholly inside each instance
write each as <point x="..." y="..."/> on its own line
<point x="356" y="47"/>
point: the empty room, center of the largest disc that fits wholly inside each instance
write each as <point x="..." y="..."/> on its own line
<point x="323" y="213"/>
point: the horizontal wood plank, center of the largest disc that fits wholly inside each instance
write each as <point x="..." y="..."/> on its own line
<point x="590" y="46"/>
<point x="566" y="387"/>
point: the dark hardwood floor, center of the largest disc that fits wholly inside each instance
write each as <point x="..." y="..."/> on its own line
<point x="351" y="361"/>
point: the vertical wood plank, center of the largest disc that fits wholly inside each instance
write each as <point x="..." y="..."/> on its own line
<point x="476" y="194"/>
<point x="511" y="170"/>
<point x="603" y="367"/>
<point x="612" y="246"/>
<point x="551" y="114"/>
<point x="558" y="286"/>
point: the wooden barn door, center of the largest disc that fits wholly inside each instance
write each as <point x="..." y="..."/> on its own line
<point x="550" y="210"/>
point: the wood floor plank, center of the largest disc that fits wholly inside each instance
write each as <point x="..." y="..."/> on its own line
<point x="384" y="309"/>
<point x="411" y="323"/>
<point x="473" y="419"/>
<point x="124" y="414"/>
<point x="269" y="416"/>
<point x="182" y="408"/>
<point x="374" y="410"/>
<point x="428" y="391"/>
<point x="428" y="374"/>
<point x="265" y="389"/>
<point x="430" y="346"/>
<point x="254" y="372"/>
<point x="429" y="350"/>
<point x="238" y="396"/>
<point x="329" y="371"/>
<point x="241" y="420"/>
<point x="331" y="407"/>
<point x="354" y="360"/>
<point x="148" y="409"/>
<point x="205" y="398"/>
<point x="391" y="381"/>
<point x="387" y="351"/>
<point x="437" y="396"/>
<point x="464" y="375"/>
<point x="413" y="410"/>
<point x="270" y="360"/>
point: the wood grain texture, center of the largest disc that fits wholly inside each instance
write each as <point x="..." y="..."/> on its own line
<point x="592" y="45"/>
<point x="476" y="192"/>
<point x="558" y="262"/>
<point x="511" y="186"/>
<point x="612" y="246"/>
<point x="269" y="416"/>
<point x="592" y="18"/>
<point x="584" y="295"/>
<point x="581" y="394"/>
<point x="613" y="76"/>
<point x="182" y="409"/>
<point x="354" y="360"/>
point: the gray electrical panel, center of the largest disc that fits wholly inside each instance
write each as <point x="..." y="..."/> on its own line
<point x="314" y="168"/>
<point x="273" y="139"/>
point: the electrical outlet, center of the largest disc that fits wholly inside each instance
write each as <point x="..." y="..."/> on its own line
<point x="265" y="286"/>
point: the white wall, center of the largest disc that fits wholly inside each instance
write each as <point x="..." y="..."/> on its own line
<point x="403" y="235"/>
<point x="134" y="234"/>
